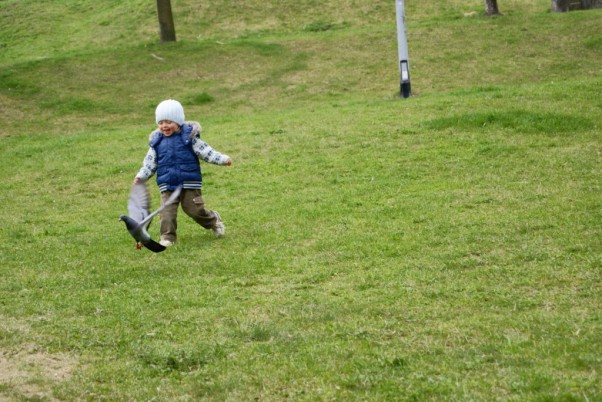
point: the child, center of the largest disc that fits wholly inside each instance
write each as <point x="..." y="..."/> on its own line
<point x="174" y="152"/>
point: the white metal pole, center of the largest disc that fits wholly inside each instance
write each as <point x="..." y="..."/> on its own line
<point x="402" y="46"/>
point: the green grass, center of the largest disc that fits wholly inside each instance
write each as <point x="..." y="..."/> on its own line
<point x="443" y="247"/>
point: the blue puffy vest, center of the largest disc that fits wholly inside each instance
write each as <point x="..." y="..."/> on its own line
<point x="177" y="164"/>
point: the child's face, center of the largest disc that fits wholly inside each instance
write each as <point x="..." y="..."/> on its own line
<point x="168" y="127"/>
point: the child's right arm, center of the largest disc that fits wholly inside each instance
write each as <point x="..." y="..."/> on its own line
<point x="149" y="166"/>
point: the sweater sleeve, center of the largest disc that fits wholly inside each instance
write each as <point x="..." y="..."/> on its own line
<point x="206" y="152"/>
<point x="149" y="165"/>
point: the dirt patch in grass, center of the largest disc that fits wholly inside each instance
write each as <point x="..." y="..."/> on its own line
<point x="29" y="372"/>
<point x="32" y="374"/>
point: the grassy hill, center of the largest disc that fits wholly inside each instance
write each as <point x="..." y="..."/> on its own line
<point x="443" y="247"/>
<point x="96" y="60"/>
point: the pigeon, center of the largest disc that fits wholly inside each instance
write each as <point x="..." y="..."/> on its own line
<point x="140" y="217"/>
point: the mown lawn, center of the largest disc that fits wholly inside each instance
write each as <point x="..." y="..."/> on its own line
<point x="443" y="247"/>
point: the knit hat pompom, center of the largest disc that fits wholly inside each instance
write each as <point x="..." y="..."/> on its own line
<point x="170" y="110"/>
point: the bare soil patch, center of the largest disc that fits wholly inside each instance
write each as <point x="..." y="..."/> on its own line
<point x="30" y="372"/>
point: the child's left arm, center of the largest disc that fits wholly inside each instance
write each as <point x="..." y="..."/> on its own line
<point x="206" y="152"/>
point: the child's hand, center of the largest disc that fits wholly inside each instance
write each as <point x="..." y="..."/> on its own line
<point x="137" y="180"/>
<point x="229" y="162"/>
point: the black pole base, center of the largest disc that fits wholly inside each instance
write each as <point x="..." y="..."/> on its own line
<point x="405" y="90"/>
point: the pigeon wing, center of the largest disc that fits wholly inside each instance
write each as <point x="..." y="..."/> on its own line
<point x="172" y="198"/>
<point x="139" y="202"/>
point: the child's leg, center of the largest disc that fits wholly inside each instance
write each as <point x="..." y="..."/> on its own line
<point x="193" y="205"/>
<point x="169" y="222"/>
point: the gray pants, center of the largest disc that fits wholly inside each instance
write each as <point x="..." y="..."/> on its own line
<point x="193" y="205"/>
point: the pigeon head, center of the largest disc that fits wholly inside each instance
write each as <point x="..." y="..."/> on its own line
<point x="129" y="222"/>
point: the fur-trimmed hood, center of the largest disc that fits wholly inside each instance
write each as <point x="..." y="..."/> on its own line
<point x="196" y="130"/>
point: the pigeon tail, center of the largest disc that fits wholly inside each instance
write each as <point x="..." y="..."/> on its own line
<point x="154" y="246"/>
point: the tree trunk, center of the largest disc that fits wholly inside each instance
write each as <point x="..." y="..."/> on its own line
<point x="560" y="5"/>
<point x="166" y="25"/>
<point x="491" y="8"/>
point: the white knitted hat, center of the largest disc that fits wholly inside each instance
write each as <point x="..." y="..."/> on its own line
<point x="170" y="110"/>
